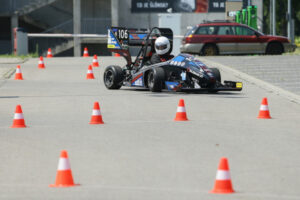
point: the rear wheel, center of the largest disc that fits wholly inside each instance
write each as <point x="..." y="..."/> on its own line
<point x="155" y="79"/>
<point x="274" y="48"/>
<point x="113" y="77"/>
<point x="209" y="50"/>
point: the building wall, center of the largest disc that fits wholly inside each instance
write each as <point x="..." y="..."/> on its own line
<point x="148" y="20"/>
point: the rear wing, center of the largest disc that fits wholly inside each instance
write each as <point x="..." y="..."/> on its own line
<point x="120" y="37"/>
<point x="117" y="42"/>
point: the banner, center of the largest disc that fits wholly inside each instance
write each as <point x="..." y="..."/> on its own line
<point x="175" y="6"/>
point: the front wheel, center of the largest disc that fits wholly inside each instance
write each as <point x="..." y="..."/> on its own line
<point x="216" y="73"/>
<point x="274" y="48"/>
<point x="155" y="79"/>
<point x="113" y="77"/>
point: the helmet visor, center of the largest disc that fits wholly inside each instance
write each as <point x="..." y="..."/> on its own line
<point x="161" y="47"/>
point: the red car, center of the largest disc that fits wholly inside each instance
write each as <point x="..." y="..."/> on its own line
<point x="213" y="38"/>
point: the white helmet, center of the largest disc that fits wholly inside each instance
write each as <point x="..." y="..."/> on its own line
<point x="162" y="45"/>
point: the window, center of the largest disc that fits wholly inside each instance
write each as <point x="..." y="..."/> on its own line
<point x="206" y="30"/>
<point x="191" y="31"/>
<point x="240" y="30"/>
<point x="225" y="30"/>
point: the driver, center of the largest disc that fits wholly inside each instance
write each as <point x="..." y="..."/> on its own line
<point x="162" y="49"/>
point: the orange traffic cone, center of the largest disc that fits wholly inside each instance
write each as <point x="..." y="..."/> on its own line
<point x="49" y="53"/>
<point x="90" y="74"/>
<point x="223" y="181"/>
<point x="85" y="52"/>
<point x="18" y="118"/>
<point x="264" y="110"/>
<point x="64" y="176"/>
<point x="95" y="61"/>
<point x="18" y="75"/>
<point x="117" y="55"/>
<point x="96" y="115"/>
<point x="41" y="63"/>
<point x="181" y="113"/>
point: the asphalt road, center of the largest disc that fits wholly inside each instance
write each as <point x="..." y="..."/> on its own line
<point x="140" y="152"/>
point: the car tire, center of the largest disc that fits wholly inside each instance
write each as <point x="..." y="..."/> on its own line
<point x="216" y="73"/>
<point x="113" y="77"/>
<point x="274" y="48"/>
<point x="209" y="50"/>
<point x="155" y="79"/>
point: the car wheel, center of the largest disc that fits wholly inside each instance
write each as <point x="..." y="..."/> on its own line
<point x="155" y="79"/>
<point x="209" y="50"/>
<point x="216" y="73"/>
<point x="113" y="77"/>
<point x="274" y="48"/>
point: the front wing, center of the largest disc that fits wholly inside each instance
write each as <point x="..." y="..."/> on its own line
<point x="227" y="86"/>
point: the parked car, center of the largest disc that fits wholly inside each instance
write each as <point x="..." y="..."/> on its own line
<point x="224" y="37"/>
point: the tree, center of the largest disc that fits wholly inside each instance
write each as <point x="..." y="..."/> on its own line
<point x="281" y="21"/>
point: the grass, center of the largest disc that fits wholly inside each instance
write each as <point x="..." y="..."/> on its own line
<point x="23" y="57"/>
<point x="297" y="41"/>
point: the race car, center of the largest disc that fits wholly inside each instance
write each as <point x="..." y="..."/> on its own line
<point x="183" y="73"/>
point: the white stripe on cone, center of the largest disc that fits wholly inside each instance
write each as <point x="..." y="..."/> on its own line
<point x="180" y="109"/>
<point x="95" y="60"/>
<point x="18" y="116"/>
<point x="223" y="175"/>
<point x="96" y="112"/>
<point x="264" y="107"/>
<point x="18" y="70"/>
<point x="85" y="52"/>
<point x="49" y="53"/>
<point x="90" y="71"/>
<point x="41" y="62"/>
<point x="64" y="164"/>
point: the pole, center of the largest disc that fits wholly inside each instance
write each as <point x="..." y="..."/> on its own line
<point x="270" y="14"/>
<point x="77" y="26"/>
<point x="289" y="19"/>
<point x="274" y="17"/>
<point x="115" y="12"/>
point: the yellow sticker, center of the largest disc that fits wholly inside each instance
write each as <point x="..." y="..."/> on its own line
<point x="239" y="85"/>
<point x="111" y="46"/>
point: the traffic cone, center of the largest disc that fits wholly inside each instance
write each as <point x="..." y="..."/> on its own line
<point x="18" y="75"/>
<point x="90" y="74"/>
<point x="117" y="55"/>
<point x="264" y="110"/>
<point x="96" y="115"/>
<point x="41" y="63"/>
<point x="181" y="113"/>
<point x="64" y="176"/>
<point x="95" y="61"/>
<point x="18" y="118"/>
<point x="85" y="52"/>
<point x="49" y="53"/>
<point x="223" y="181"/>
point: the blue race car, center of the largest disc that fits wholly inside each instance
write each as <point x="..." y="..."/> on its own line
<point x="182" y="73"/>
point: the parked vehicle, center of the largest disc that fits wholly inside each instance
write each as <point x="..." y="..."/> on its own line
<point x="224" y="37"/>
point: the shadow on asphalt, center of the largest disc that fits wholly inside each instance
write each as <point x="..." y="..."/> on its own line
<point x="7" y="97"/>
<point x="167" y="93"/>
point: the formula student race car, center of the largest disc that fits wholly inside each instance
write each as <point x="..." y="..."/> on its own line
<point x="182" y="73"/>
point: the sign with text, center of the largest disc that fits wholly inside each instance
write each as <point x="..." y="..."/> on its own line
<point x="216" y="5"/>
<point x="163" y="6"/>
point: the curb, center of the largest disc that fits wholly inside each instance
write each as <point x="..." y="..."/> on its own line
<point x="262" y="84"/>
<point x="7" y="74"/>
